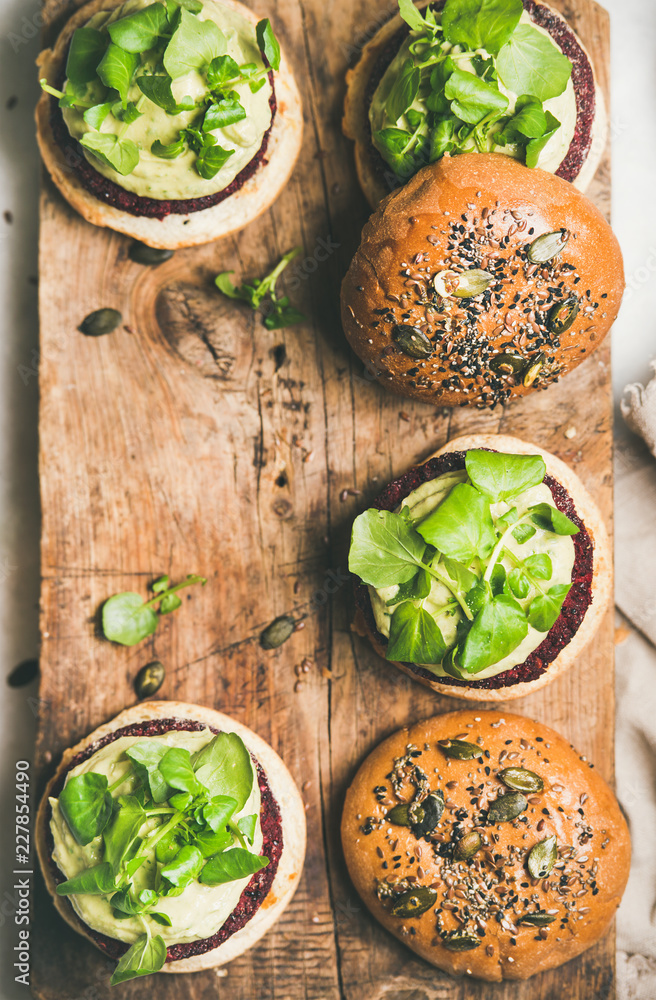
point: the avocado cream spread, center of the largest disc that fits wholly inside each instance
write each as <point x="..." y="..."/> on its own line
<point x="169" y="101"/>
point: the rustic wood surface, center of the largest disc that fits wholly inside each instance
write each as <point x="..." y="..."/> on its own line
<point x="194" y="440"/>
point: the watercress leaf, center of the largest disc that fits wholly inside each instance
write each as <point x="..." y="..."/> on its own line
<point x="518" y="583"/>
<point x="176" y="769"/>
<point x="481" y="24"/>
<point x="496" y="631"/>
<point x="413" y="590"/>
<point x="145" y="956"/>
<point x="127" y="114"/>
<point x="96" y="115"/>
<point x="535" y="146"/>
<point x="472" y="98"/>
<point x="530" y="63"/>
<point x="461" y="527"/>
<point x="218" y="811"/>
<point x="126" y="619"/>
<point x="184" y="867"/>
<point x="283" y="315"/>
<point x="404" y="92"/>
<point x="193" y="6"/>
<point x="221" y="70"/>
<point x="247" y="825"/>
<point x="120" y="834"/>
<point x="87" y="48"/>
<point x="225" y="285"/>
<point x="450" y="667"/>
<point x="86" y="805"/>
<point x="161" y="584"/>
<point x="170" y="602"/>
<point x="167" y="848"/>
<point x="510" y="517"/>
<point x="529" y="120"/>
<point x="460" y="574"/>
<point x="170" y="151"/>
<point x="158" y="90"/>
<point x="160" y="918"/>
<point x="117" y="68"/>
<point x="523" y="532"/>
<point x="498" y="578"/>
<point x="193" y="46"/>
<point x="503" y="477"/>
<point x="415" y="636"/>
<point x="124" y="901"/>
<point x="96" y="881"/>
<point x="211" y="160"/>
<point x="227" y="111"/>
<point x="478" y="596"/>
<point x="441" y="139"/>
<point x="539" y="565"/>
<point x="210" y="843"/>
<point x="545" y="608"/>
<point x="268" y="43"/>
<point x="120" y="154"/>
<point x="385" y="548"/>
<point x="148" y="754"/>
<point x="551" y="519"/>
<point x="224" y="767"/>
<point x="391" y="143"/>
<point x="411" y="15"/>
<point x="138" y="32"/>
<point x="485" y="68"/>
<point x="231" y="865"/>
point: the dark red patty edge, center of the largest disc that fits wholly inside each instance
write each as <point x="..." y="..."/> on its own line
<point x="258" y="887"/>
<point x="582" y="78"/>
<point x="112" y="194"/>
<point x="574" y="607"/>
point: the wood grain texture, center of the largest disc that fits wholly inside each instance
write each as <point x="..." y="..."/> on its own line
<point x="194" y="440"/>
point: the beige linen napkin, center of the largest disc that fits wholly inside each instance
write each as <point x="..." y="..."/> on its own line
<point x="635" y="598"/>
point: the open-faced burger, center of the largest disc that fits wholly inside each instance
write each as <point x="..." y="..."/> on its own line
<point x="479" y="281"/>
<point x="174" y="122"/>
<point x="172" y="837"/>
<point x="461" y="76"/>
<point x="485" y="843"/>
<point x="484" y="572"/>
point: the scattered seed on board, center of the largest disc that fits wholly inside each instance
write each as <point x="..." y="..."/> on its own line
<point x="100" y="322"/>
<point x="149" y="679"/>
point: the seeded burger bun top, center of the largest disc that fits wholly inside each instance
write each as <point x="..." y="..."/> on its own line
<point x="479" y="281"/>
<point x="282" y="824"/>
<point x="573" y="154"/>
<point x="484" y="842"/>
<point x="582" y="562"/>
<point x="164" y="211"/>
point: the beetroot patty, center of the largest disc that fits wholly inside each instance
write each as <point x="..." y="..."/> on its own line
<point x="582" y="78"/>
<point x="574" y="607"/>
<point x="259" y="886"/>
<point x="126" y="201"/>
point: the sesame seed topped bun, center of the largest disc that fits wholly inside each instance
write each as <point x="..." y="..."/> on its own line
<point x="480" y="281"/>
<point x="486" y="844"/>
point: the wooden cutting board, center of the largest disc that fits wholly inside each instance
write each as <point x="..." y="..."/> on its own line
<point x="194" y="440"/>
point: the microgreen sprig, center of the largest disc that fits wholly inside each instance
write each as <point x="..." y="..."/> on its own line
<point x="262" y="295"/>
<point x="127" y="618"/>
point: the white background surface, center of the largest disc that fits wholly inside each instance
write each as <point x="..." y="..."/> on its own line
<point x="633" y="117"/>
